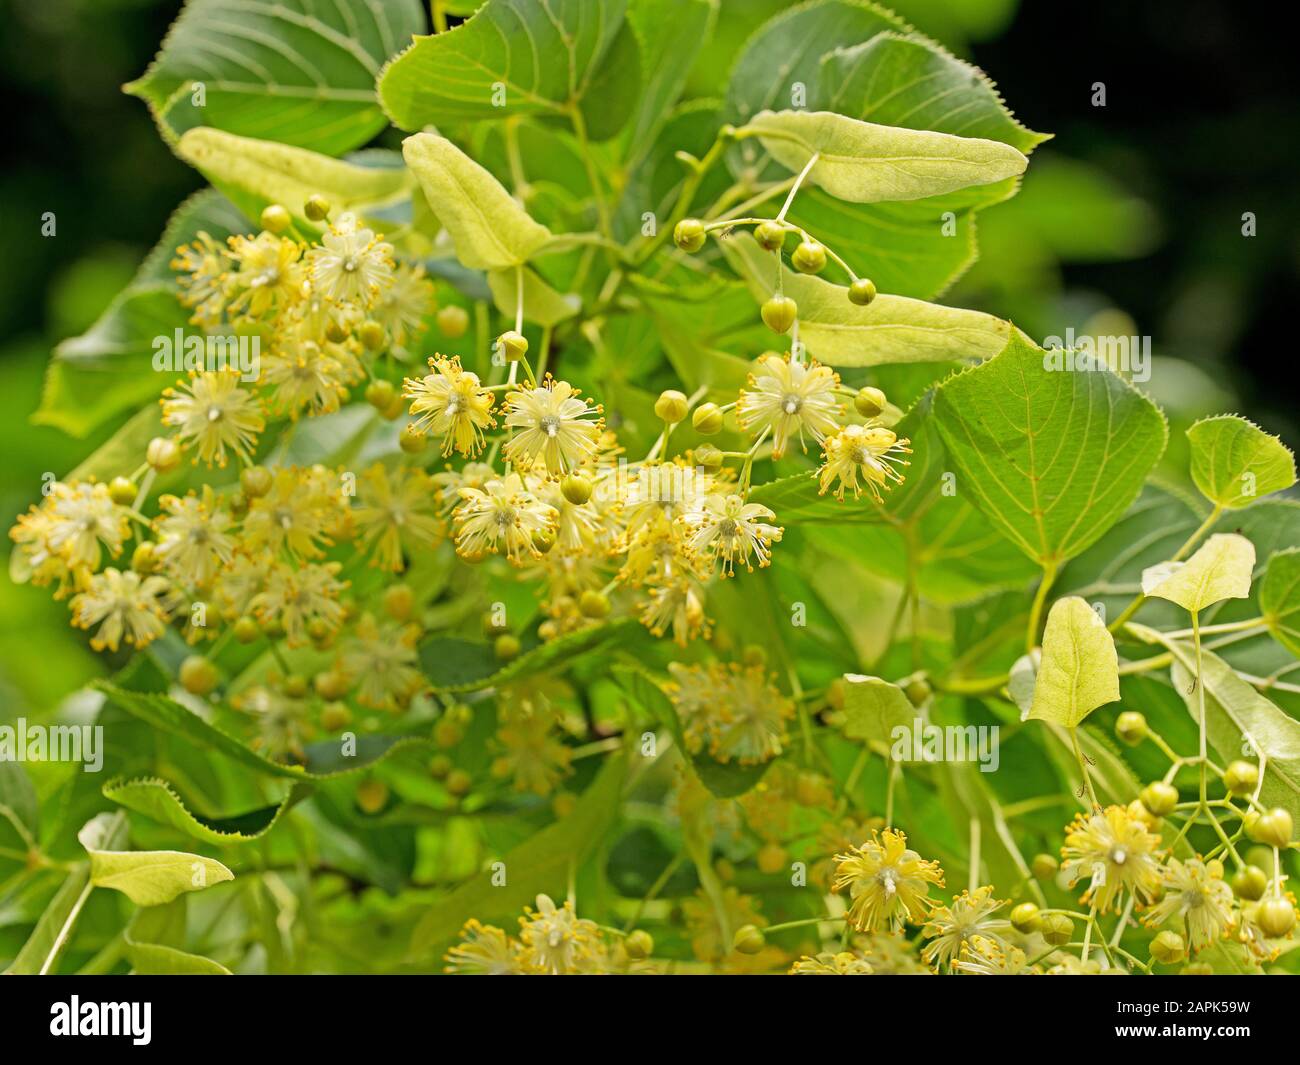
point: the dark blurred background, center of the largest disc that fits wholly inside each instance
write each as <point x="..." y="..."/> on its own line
<point x="1129" y="221"/>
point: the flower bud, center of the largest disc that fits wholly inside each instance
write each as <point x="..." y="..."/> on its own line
<point x="335" y="716"/>
<point x="256" y="481"/>
<point x="439" y="766"/>
<point x="1160" y="798"/>
<point x="399" y="602"/>
<point x="122" y="491"/>
<point x="143" y="558"/>
<point x="748" y="939"/>
<point x="593" y="604"/>
<point x="163" y="454"/>
<point x="506" y="647"/>
<point x="459" y="782"/>
<point x="689" y="234"/>
<point x="862" y="291"/>
<point x="1250" y="883"/>
<point x="335" y="331"/>
<point x="276" y="218"/>
<point x="770" y="234"/>
<point x="1240" y="778"/>
<point x="708" y="456"/>
<point x="576" y="488"/>
<point x="513" y="344"/>
<point x="373" y="335"/>
<point x="672" y="406"/>
<point x="917" y="691"/>
<point x="247" y="630"/>
<point x="544" y="540"/>
<point x="372" y="795"/>
<point x="453" y="321"/>
<point x="1024" y="918"/>
<point x="1044" y="866"/>
<point x="1273" y="829"/>
<point x="317" y="208"/>
<point x="411" y="440"/>
<point x="771" y="858"/>
<point x="1168" y="948"/>
<point x="869" y="402"/>
<point x="779" y="313"/>
<point x="707" y="419"/>
<point x="295" y="685"/>
<point x="331" y="685"/>
<point x="809" y="257"/>
<point x="1056" y="928"/>
<point x="198" y="676"/>
<point x="1131" y="727"/>
<point x="1275" y="916"/>
<point x="638" y="945"/>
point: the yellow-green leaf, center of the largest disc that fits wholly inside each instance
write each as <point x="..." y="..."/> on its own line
<point x="1079" y="670"/>
<point x="893" y="329"/>
<point x="873" y="708"/>
<point x="1221" y="569"/>
<point x="490" y="230"/>
<point x="147" y="878"/>
<point x="863" y="162"/>
<point x="1234" y="462"/>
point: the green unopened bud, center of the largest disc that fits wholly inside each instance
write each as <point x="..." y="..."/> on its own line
<point x="544" y="540"/>
<point x="459" y="782"/>
<point x="163" y="454"/>
<point x="1131" y="727"/>
<point x="748" y="939"/>
<point x="373" y="335"/>
<point x="372" y="795"/>
<point x="1275" y="916"/>
<point x="1240" y="778"/>
<point x="295" y="685"/>
<point x="335" y="331"/>
<point x="1056" y="928"/>
<point x="671" y="406"/>
<point x="1168" y="948"/>
<point x="593" y="604"/>
<point x="770" y="235"/>
<point x="862" y="291"/>
<point x="1160" y="798"/>
<point x="411" y="440"/>
<point x="1044" y="866"/>
<point x="638" y="945"/>
<point x="707" y="419"/>
<point x="513" y="345"/>
<point x="144" y="558"/>
<point x="917" y="691"/>
<point x="399" y="602"/>
<point x="1025" y="917"/>
<point x="779" y="313"/>
<point x="198" y="676"/>
<point x="276" y="218"/>
<point x="809" y="257"/>
<point x="869" y="402"/>
<point x="247" y="630"/>
<point x="689" y="234"/>
<point x="453" y="321"/>
<point x="1273" y="828"/>
<point x="576" y="488"/>
<point x="506" y="647"/>
<point x="709" y="456"/>
<point x="256" y="481"/>
<point x="317" y="208"/>
<point x="330" y="685"/>
<point x="335" y="716"/>
<point x="1250" y="883"/>
<point x="122" y="491"/>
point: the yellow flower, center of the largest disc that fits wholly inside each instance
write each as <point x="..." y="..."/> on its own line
<point x="888" y="883"/>
<point x="402" y="307"/>
<point x="1117" y="851"/>
<point x="126" y="607"/>
<point x="983" y="957"/>
<point x="732" y="710"/>
<point x="452" y="404"/>
<point x="534" y="757"/>
<point x="556" y="940"/>
<point x="866" y="451"/>
<point x="1192" y="893"/>
<point x="711" y="926"/>
<point x="384" y="662"/>
<point x="268" y="275"/>
<point x="81" y="518"/>
<point x="725" y="528"/>
<point x="211" y="411"/>
<point x="351" y="264"/>
<point x="552" y="424"/>
<point x="395" y="509"/>
<point x="502" y="515"/>
<point x="845" y="963"/>
<point x="293" y="515"/>
<point x="788" y="397"/>
<point x="951" y="929"/>
<point x="485" y="951"/>
<point x="308" y="376"/>
<point x="204" y="281"/>
<point x="193" y="543"/>
<point x="296" y="597"/>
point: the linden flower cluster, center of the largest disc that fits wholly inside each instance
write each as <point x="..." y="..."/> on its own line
<point x="552" y="941"/>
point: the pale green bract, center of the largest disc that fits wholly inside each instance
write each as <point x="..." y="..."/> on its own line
<point x="1220" y="569"/>
<point x="863" y="162"/>
<point x="873" y="708"/>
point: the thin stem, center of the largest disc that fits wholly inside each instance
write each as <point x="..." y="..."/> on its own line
<point x="1190" y="542"/>
<point x="1083" y="768"/>
<point x="1040" y="600"/>
<point x="794" y="190"/>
